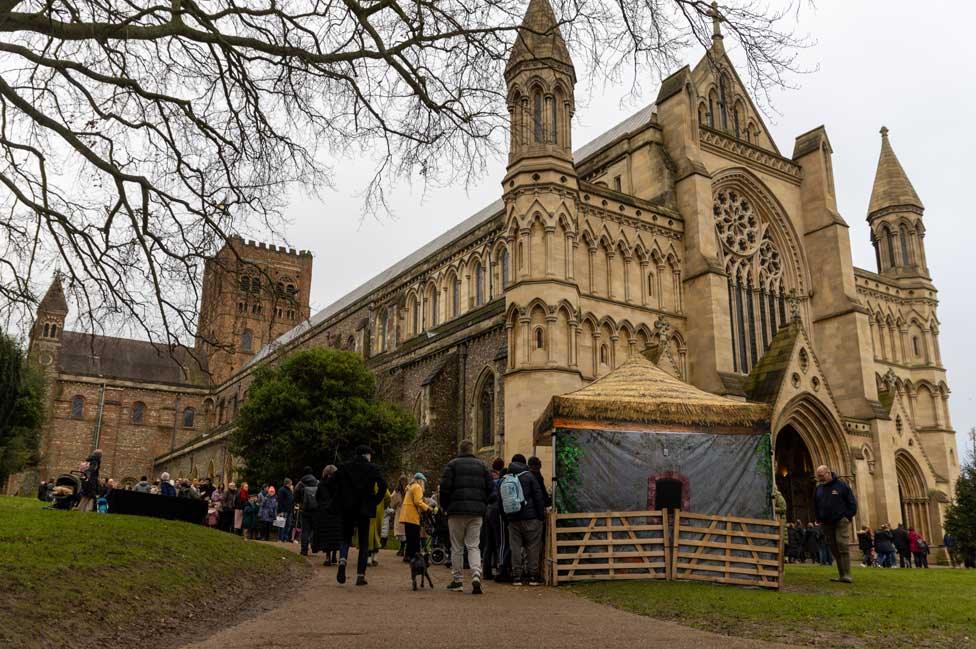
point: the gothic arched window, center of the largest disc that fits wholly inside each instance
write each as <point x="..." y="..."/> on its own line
<point x="504" y="264"/>
<point x="890" y="242"/>
<point x="54" y="331"/>
<point x="434" y="306"/>
<point x="415" y="306"/>
<point x="479" y="284"/>
<point x="384" y="330"/>
<point x="247" y="340"/>
<point x="486" y="413"/>
<point x="245" y="283"/>
<point x="754" y="266"/>
<point x="537" y="123"/>
<point x="77" y="407"/>
<point x="903" y="237"/>
<point x="540" y="338"/>
<point x="47" y="330"/>
<point x="138" y="412"/>
<point x="189" y="415"/>
<point x="456" y="297"/>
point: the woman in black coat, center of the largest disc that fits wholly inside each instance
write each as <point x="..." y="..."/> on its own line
<point x="328" y="517"/>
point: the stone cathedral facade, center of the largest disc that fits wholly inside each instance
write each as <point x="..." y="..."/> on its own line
<point x="683" y="233"/>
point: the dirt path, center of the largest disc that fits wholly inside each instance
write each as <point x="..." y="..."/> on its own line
<point x="387" y="614"/>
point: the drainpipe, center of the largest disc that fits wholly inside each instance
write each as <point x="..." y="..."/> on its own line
<point x="98" y="418"/>
<point x="176" y="416"/>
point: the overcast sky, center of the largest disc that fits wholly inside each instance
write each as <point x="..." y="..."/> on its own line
<point x="879" y="64"/>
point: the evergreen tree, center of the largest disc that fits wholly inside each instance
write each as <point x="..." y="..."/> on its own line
<point x="21" y="409"/>
<point x="313" y="409"/>
<point x="961" y="514"/>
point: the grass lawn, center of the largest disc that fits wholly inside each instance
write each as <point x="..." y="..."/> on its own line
<point x="89" y="580"/>
<point x="883" y="608"/>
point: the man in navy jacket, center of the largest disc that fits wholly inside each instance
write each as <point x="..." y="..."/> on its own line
<point x="836" y="507"/>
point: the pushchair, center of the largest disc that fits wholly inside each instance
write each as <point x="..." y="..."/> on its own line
<point x="435" y="544"/>
<point x="67" y="490"/>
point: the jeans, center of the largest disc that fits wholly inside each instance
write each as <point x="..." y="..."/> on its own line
<point x="921" y="559"/>
<point x="308" y="525"/>
<point x="825" y="556"/>
<point x="362" y="527"/>
<point x="904" y="559"/>
<point x="887" y="559"/>
<point x="465" y="533"/>
<point x="284" y="533"/>
<point x="525" y="535"/>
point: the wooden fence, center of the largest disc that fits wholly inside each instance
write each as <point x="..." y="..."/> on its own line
<point x="608" y="545"/>
<point x="647" y="545"/>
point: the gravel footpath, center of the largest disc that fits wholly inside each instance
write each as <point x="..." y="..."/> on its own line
<point x="387" y="614"/>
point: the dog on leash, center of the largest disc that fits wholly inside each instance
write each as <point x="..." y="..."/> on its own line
<point x="418" y="568"/>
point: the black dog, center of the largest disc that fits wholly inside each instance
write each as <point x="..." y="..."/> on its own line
<point x="418" y="568"/>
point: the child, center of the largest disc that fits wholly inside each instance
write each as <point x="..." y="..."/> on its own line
<point x="250" y="518"/>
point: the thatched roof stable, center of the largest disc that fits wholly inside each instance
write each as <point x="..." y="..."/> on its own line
<point x="640" y="392"/>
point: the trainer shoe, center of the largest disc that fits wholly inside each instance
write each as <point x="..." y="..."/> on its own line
<point x="455" y="587"/>
<point x="516" y="581"/>
<point x="341" y="572"/>
<point x="360" y="580"/>
<point x="476" y="586"/>
<point x="535" y="581"/>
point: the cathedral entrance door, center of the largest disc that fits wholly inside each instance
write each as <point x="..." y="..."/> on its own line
<point x="667" y="494"/>
<point x="794" y="475"/>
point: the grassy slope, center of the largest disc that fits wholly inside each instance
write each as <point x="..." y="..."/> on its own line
<point x="78" y="580"/>
<point x="889" y="608"/>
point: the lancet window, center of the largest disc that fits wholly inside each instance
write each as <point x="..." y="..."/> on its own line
<point x="756" y="282"/>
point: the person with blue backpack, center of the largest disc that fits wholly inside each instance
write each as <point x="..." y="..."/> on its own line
<point x="524" y="507"/>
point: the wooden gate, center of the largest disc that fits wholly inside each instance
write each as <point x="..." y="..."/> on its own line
<point x="644" y="545"/>
<point x="608" y="545"/>
<point x="728" y="550"/>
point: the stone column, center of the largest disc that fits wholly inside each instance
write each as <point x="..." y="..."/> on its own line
<point x="643" y="271"/>
<point x="549" y="229"/>
<point x="573" y="342"/>
<point x="610" y="258"/>
<point x="550" y="326"/>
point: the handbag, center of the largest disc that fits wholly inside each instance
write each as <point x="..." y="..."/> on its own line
<point x="279" y="520"/>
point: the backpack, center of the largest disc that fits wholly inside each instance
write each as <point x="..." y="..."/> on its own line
<point x="510" y="490"/>
<point x="309" y="503"/>
<point x="923" y="547"/>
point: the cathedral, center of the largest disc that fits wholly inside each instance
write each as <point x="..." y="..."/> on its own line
<point x="683" y="233"/>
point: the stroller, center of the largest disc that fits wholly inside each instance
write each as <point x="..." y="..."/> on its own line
<point x="435" y="544"/>
<point x="67" y="490"/>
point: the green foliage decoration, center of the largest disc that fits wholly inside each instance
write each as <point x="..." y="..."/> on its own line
<point x="568" y="478"/>
<point x="313" y="409"/>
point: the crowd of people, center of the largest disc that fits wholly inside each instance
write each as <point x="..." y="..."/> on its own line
<point x="491" y="517"/>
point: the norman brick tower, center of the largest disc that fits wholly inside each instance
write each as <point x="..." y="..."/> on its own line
<point x="252" y="293"/>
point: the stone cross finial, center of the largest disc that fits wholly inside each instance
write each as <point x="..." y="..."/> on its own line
<point x="884" y="131"/>
<point x="716" y="21"/>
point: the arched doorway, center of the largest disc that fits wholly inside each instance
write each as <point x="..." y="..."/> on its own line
<point x="794" y="475"/>
<point x="912" y="494"/>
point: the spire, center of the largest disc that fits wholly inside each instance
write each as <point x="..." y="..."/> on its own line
<point x="539" y="39"/>
<point x="717" y="39"/>
<point x="54" y="301"/>
<point x="891" y="185"/>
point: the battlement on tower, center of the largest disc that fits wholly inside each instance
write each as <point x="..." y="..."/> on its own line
<point x="239" y="242"/>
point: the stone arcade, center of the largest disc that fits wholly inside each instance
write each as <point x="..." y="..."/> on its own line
<point x="683" y="233"/>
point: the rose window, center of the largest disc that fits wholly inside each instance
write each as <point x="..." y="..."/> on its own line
<point x="738" y="225"/>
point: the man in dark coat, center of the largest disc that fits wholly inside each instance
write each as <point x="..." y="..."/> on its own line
<point x="89" y="482"/>
<point x="525" y="525"/>
<point x="903" y="546"/>
<point x="465" y="488"/>
<point x="836" y="507"/>
<point x="361" y="488"/>
<point x="286" y="505"/>
<point x="308" y="505"/>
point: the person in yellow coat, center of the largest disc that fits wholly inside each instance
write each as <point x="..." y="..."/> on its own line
<point x="374" y="528"/>
<point x="413" y="507"/>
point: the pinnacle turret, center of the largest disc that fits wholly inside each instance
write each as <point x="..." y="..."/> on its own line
<point x="892" y="189"/>
<point x="539" y="40"/>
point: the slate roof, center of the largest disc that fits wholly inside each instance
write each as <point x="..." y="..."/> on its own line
<point x="133" y="360"/>
<point x="891" y="185"/>
<point x="635" y="121"/>
<point x="767" y="375"/>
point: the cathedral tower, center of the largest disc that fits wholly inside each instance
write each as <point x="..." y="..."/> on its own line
<point x="895" y="217"/>
<point x="541" y="206"/>
<point x="252" y="293"/>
